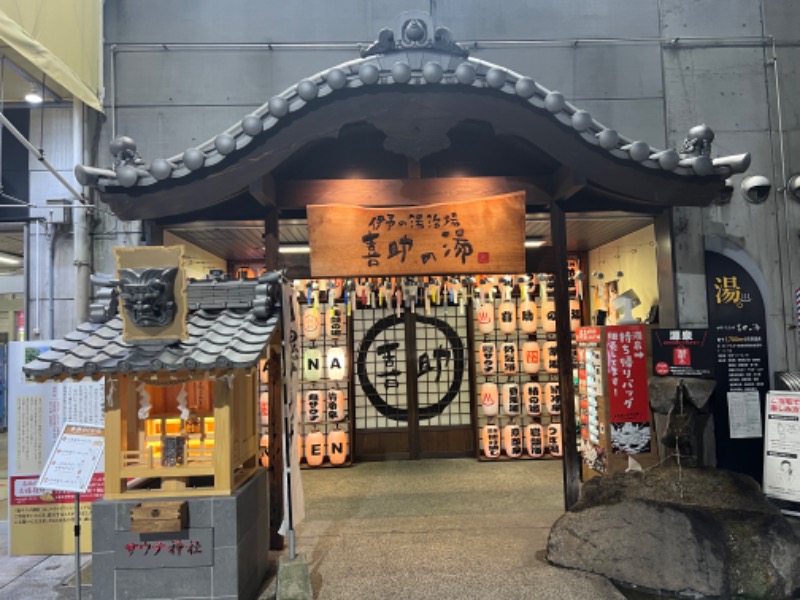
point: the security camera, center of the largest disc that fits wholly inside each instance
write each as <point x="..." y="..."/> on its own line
<point x="756" y="188"/>
<point x="725" y="193"/>
<point x="793" y="186"/>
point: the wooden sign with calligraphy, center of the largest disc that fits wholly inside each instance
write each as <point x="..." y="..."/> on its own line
<point x="476" y="236"/>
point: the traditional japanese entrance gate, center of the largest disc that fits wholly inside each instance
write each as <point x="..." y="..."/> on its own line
<point x="412" y="392"/>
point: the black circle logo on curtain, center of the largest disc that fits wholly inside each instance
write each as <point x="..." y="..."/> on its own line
<point x="447" y="361"/>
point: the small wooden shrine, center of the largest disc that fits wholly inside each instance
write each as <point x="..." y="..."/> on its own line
<point x="182" y="364"/>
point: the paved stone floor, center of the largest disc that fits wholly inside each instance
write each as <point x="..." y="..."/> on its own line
<point x="440" y="529"/>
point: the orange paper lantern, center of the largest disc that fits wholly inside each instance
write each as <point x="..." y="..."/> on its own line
<point x="552" y="398"/>
<point x="549" y="317"/>
<point x="531" y="358"/>
<point x="315" y="448"/>
<point x="508" y="357"/>
<point x="489" y="399"/>
<point x="528" y="316"/>
<point x="485" y="317"/>
<point x="532" y="398"/>
<point x="490" y="441"/>
<point x="336" y="405"/>
<point x="512" y="440"/>
<point x="312" y="324"/>
<point x="511" y="400"/>
<point x="554" y="439"/>
<point x="314" y="406"/>
<point x="550" y="357"/>
<point x="338" y="442"/>
<point x="507" y="317"/>
<point x="487" y="353"/>
<point x="534" y="440"/>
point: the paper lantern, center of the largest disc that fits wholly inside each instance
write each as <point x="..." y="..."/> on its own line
<point x="487" y="353"/>
<point x="531" y="358"/>
<point x="508" y="357"/>
<point x="534" y="440"/>
<point x="549" y="316"/>
<point x="338" y="442"/>
<point x="485" y="317"/>
<point x="336" y="405"/>
<point x="552" y="398"/>
<point x="315" y="448"/>
<point x="263" y="373"/>
<point x="532" y="398"/>
<point x="507" y="317"/>
<point x="264" y="450"/>
<point x="314" y="406"/>
<point x="335" y="323"/>
<point x="335" y="363"/>
<point x="312" y="323"/>
<point x="511" y="400"/>
<point x="528" y="316"/>
<point x="490" y="441"/>
<point x="263" y="408"/>
<point x="554" y="439"/>
<point x="550" y="357"/>
<point x="574" y="314"/>
<point x="489" y="399"/>
<point x="312" y="364"/>
<point x="512" y="440"/>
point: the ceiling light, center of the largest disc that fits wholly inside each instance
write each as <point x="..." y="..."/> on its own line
<point x="534" y="242"/>
<point x="34" y="96"/>
<point x="295" y="249"/>
<point x="9" y="260"/>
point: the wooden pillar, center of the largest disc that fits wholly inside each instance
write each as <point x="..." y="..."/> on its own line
<point x="223" y="449"/>
<point x="275" y="425"/>
<point x="572" y="459"/>
<point x="114" y="431"/>
<point x="271" y="240"/>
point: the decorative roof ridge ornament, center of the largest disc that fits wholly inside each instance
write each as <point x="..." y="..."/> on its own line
<point x="415" y="31"/>
<point x="106" y="305"/>
<point x="148" y="295"/>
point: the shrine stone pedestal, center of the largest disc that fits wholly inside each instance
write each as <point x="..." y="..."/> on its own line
<point x="221" y="554"/>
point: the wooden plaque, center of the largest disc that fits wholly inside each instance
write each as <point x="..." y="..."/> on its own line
<point x="476" y="236"/>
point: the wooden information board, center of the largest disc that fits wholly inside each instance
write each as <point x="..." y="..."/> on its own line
<point x="476" y="236"/>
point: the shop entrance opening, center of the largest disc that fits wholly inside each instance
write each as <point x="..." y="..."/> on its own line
<point x="412" y="397"/>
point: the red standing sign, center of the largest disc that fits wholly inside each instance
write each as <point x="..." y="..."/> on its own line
<point x="627" y="374"/>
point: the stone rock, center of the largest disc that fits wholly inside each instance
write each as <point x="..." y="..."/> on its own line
<point x="691" y="532"/>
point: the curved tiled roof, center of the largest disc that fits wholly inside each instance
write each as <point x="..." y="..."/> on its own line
<point x="430" y="61"/>
<point x="226" y="328"/>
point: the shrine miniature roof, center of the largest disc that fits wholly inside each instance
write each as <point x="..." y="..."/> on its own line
<point x="227" y="327"/>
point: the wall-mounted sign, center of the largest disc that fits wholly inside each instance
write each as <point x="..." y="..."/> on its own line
<point x="683" y="352"/>
<point x="478" y="236"/>
<point x="736" y="319"/>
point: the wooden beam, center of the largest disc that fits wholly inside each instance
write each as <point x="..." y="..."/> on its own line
<point x="565" y="183"/>
<point x="263" y="190"/>
<point x="572" y="459"/>
<point x="297" y="194"/>
<point x="275" y="429"/>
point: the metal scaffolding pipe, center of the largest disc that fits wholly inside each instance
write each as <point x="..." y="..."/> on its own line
<point x="40" y="157"/>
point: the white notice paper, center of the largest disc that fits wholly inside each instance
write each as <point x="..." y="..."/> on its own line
<point x="744" y="413"/>
<point x="74" y="458"/>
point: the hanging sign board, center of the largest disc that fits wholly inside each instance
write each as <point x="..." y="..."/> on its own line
<point x="486" y="236"/>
